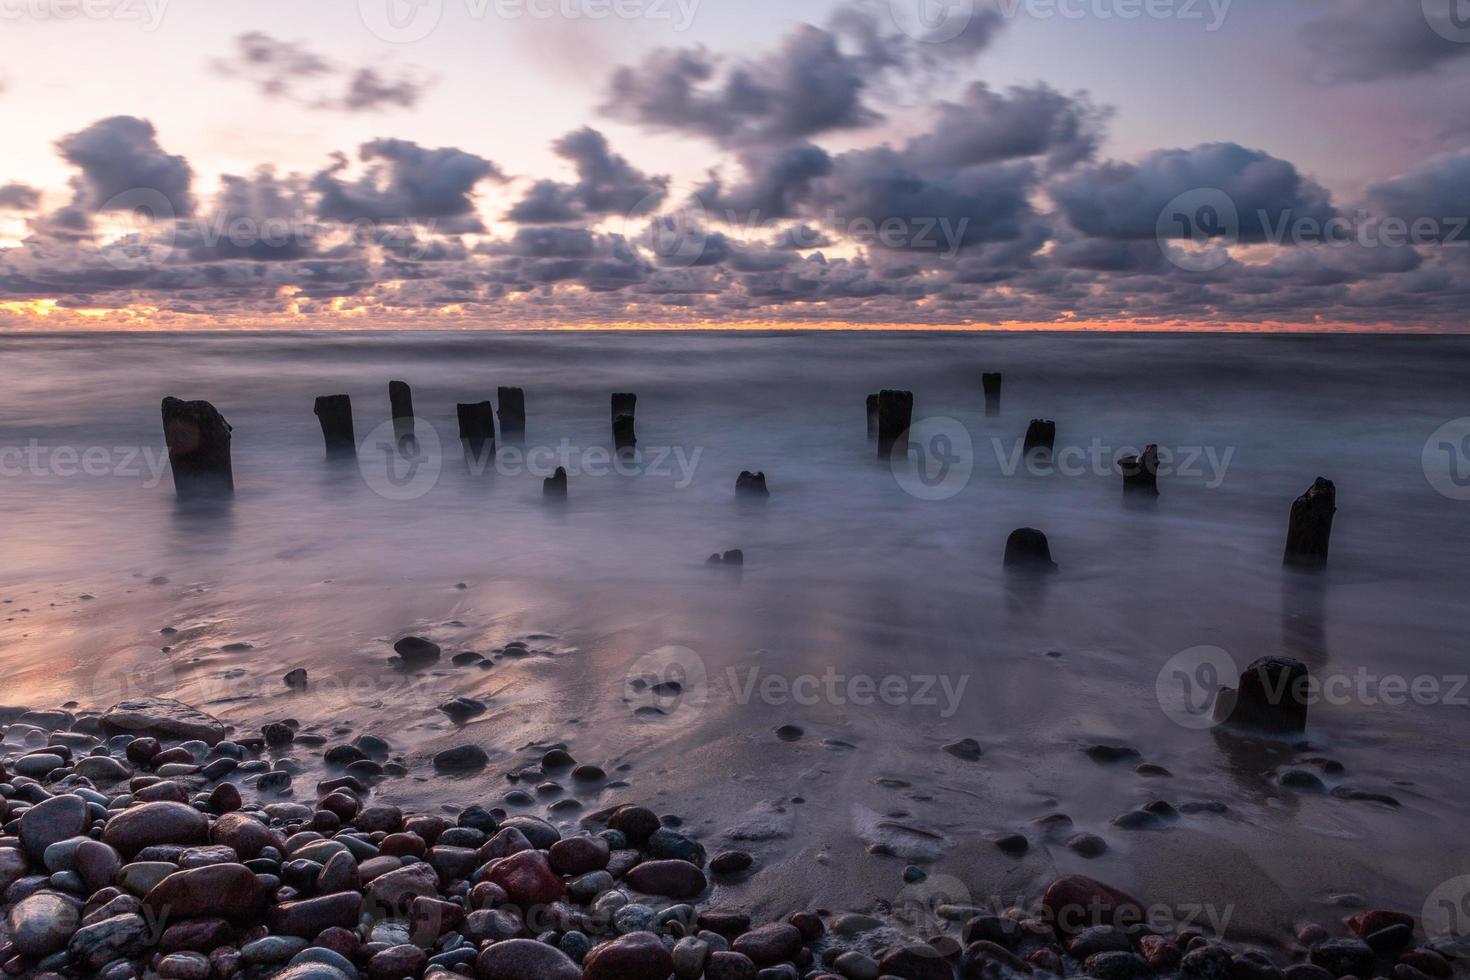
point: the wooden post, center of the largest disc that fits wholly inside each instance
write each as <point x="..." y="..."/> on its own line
<point x="1040" y="434"/>
<point x="1310" y="529"/>
<point x="623" y="405"/>
<point x="991" y="383"/>
<point x="477" y="429"/>
<point x="895" y="412"/>
<point x="400" y="397"/>
<point x="872" y="417"/>
<point x="1141" y="473"/>
<point x="335" y="414"/>
<point x="512" y="414"/>
<point x="198" y="439"/>
<point x="556" y="484"/>
<point x="1027" y="550"/>
<point x="1272" y="696"/>
<point x="749" y="484"/>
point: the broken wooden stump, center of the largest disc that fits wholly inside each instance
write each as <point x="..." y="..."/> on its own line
<point x="1272" y="696"/>
<point x="990" y="380"/>
<point x="895" y="413"/>
<point x="512" y="403"/>
<point x="623" y="405"/>
<point x="556" y="484"/>
<point x="335" y="414"/>
<point x="1141" y="473"/>
<point x="1027" y="550"/>
<point x="1310" y="529"/>
<point x="749" y="484"/>
<point x="872" y="417"/>
<point x="477" y="429"/>
<point x="733" y="558"/>
<point x="198" y="439"/>
<point x="400" y="397"/>
<point x="1041" y="435"/>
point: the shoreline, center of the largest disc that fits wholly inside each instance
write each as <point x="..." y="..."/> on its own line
<point x="146" y="840"/>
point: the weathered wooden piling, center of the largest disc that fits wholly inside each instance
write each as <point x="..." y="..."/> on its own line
<point x="872" y="417"/>
<point x="1041" y="435"/>
<point x="556" y="484"/>
<point x="1310" y="529"/>
<point x="335" y="414"/>
<point x="477" y="428"/>
<point x="733" y="558"/>
<point x="1027" y="550"/>
<point x="623" y="405"/>
<point x="990" y="380"/>
<point x="198" y="439"/>
<point x="512" y="403"/>
<point x="400" y="397"/>
<point x="749" y="484"/>
<point x="1141" y="473"/>
<point x="895" y="413"/>
<point x="1272" y="696"/>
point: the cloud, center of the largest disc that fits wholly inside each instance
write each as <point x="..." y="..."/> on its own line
<point x="607" y="184"/>
<point x="1369" y="40"/>
<point x="1125" y="200"/>
<point x="1438" y="191"/>
<point x="403" y="183"/>
<point x="122" y="165"/>
<point x="19" y="197"/>
<point x="1026" y="121"/>
<point x="289" y="70"/>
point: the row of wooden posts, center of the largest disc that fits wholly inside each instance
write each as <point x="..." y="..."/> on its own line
<point x="198" y="440"/>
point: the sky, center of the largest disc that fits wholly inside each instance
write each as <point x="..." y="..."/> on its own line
<point x="1210" y="164"/>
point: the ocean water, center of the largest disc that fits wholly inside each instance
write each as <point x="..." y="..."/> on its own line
<point x="871" y="611"/>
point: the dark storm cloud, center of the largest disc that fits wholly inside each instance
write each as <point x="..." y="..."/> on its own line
<point x="607" y="184"/>
<point x="1368" y="40"/>
<point x="282" y="69"/>
<point x="1437" y="193"/>
<point x="19" y="197"/>
<point x="405" y="182"/>
<point x="1126" y="200"/>
<point x="121" y="162"/>
<point x="776" y="181"/>
<point x="1025" y="121"/>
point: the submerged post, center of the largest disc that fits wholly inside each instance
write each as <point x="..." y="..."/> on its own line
<point x="749" y="484"/>
<point x="872" y="417"/>
<point x="556" y="484"/>
<point x="623" y="405"/>
<point x="1310" y="529"/>
<point x="400" y="397"/>
<point x="991" y="382"/>
<point x="1141" y="473"/>
<point x="1272" y="696"/>
<point x="198" y="440"/>
<point x="1027" y="550"/>
<point x="335" y="414"/>
<point x="477" y="428"/>
<point x="512" y="414"/>
<point x="1041" y="434"/>
<point x="895" y="412"/>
